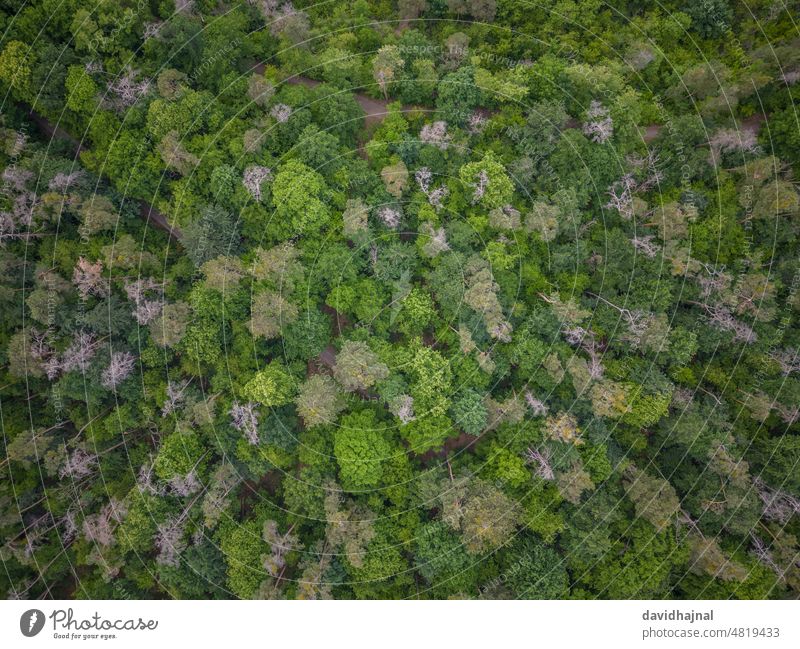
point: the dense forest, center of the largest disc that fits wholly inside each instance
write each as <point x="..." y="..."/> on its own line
<point x="384" y="299"/>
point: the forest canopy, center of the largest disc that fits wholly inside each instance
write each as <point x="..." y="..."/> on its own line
<point x="387" y="299"/>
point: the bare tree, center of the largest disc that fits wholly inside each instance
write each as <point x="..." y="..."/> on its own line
<point x="541" y="463"/>
<point x="244" y="418"/>
<point x="118" y="369"/>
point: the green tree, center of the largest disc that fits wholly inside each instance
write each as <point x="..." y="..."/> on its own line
<point x="362" y="450"/>
<point x="272" y="386"/>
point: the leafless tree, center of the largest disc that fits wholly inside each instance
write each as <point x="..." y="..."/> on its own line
<point x="598" y="125"/>
<point x="403" y="408"/>
<point x="126" y="89"/>
<point x="121" y="365"/>
<point x="788" y="359"/>
<point x="645" y="245"/>
<point x="435" y="134"/>
<point x="169" y="541"/>
<point x="390" y="216"/>
<point x="541" y="463"/>
<point x="244" y="418"/>
<point x="61" y="182"/>
<point x="175" y="397"/>
<point x="281" y="113"/>
<point x="778" y="505"/>
<point x="537" y="406"/>
<point x="89" y="280"/>
<point x="621" y="196"/>
<point x="79" y="353"/>
<point x="253" y="177"/>
<point x="78" y="465"/>
<point x="479" y="188"/>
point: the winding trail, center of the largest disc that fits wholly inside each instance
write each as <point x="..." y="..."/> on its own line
<point x="375" y="110"/>
<point x="149" y="213"/>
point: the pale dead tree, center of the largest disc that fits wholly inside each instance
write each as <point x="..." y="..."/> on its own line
<point x="38" y="345"/>
<point x="792" y="77"/>
<point x="720" y="316"/>
<point x="8" y="229"/>
<point x="714" y="282"/>
<point x="89" y="280"/>
<point x="537" y="406"/>
<point x="621" y="196"/>
<point x="280" y="546"/>
<point x="435" y="134"/>
<point x="423" y="176"/>
<point x="252" y="179"/>
<point x="33" y="534"/>
<point x="476" y="123"/>
<point x="436" y="197"/>
<point x="598" y="125"/>
<point x="188" y="484"/>
<point x="390" y="216"/>
<point x="403" y="408"/>
<point x="788" y="414"/>
<point x="169" y="541"/>
<point x="778" y="505"/>
<point x="638" y="321"/>
<point x="152" y="29"/>
<point x="175" y="396"/>
<point x="70" y="527"/>
<point x="541" y="463"/>
<point x="61" y="182"/>
<point x="120" y="367"/>
<point x="281" y="113"/>
<point x="145" y="481"/>
<point x="729" y="140"/>
<point x="244" y="418"/>
<point x="99" y="528"/>
<point x="16" y="178"/>
<point x="479" y="188"/>
<point x="78" y="465"/>
<point x="595" y="365"/>
<point x="147" y="311"/>
<point x="127" y="89"/>
<point x="788" y="359"/>
<point x="578" y="336"/>
<point x="574" y="335"/>
<point x="137" y="290"/>
<point x="283" y="17"/>
<point x="645" y="245"/>
<point x="52" y="367"/>
<point x="79" y="353"/>
<point x="647" y="166"/>
<point x="762" y="553"/>
<point x="435" y="241"/>
<point x="24" y="207"/>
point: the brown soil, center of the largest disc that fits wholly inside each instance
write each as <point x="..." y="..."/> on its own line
<point x="463" y="441"/>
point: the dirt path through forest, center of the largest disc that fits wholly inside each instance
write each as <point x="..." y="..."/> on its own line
<point x="149" y="213"/>
<point x="375" y="111"/>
